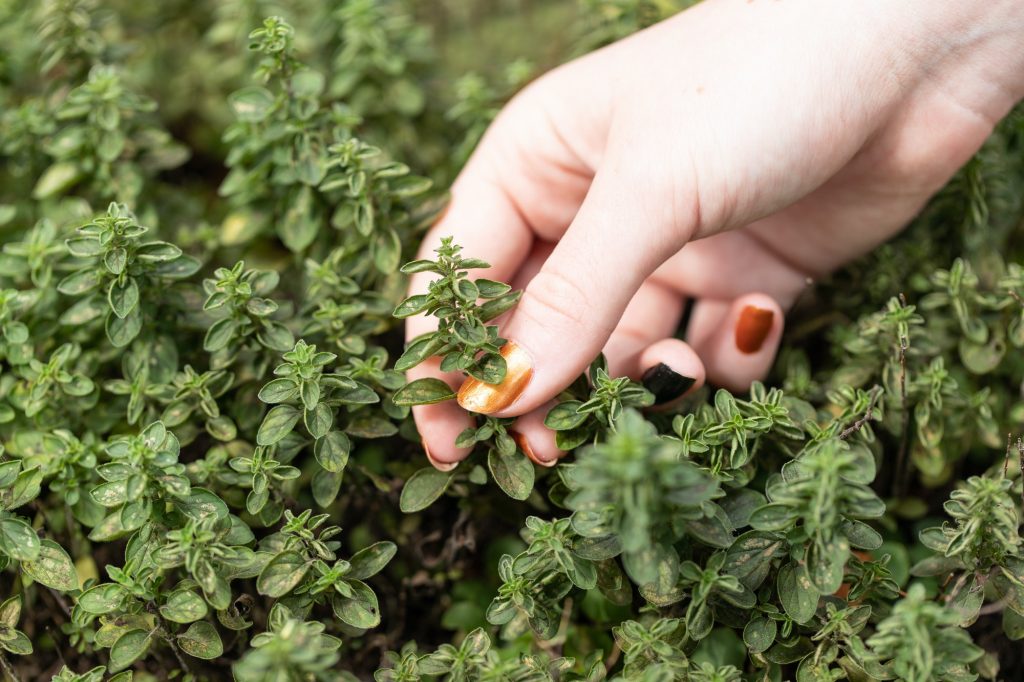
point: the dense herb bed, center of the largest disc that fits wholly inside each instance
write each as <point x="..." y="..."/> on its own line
<point x="208" y="465"/>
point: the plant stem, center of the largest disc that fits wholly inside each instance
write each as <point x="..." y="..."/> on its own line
<point x="901" y="460"/>
<point x="613" y="658"/>
<point x="876" y="392"/>
<point x="8" y="670"/>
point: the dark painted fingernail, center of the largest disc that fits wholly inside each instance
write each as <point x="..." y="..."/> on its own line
<point x="665" y="383"/>
<point x="752" y="328"/>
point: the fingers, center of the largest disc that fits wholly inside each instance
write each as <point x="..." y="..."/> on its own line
<point x="526" y="178"/>
<point x="652" y="314"/>
<point x="440" y="424"/>
<point x="670" y="369"/>
<point x="535" y="439"/>
<point x="570" y="308"/>
<point x="736" y="340"/>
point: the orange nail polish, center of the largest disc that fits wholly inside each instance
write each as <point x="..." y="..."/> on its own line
<point x="527" y="449"/>
<point x="483" y="398"/>
<point x="752" y="328"/>
<point x="440" y="466"/>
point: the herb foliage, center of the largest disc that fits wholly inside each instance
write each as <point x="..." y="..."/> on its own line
<point x="208" y="466"/>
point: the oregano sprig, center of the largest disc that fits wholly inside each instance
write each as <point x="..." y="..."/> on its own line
<point x="463" y="339"/>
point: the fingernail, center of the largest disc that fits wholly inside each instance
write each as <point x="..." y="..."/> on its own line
<point x="440" y="466"/>
<point x="665" y="383"/>
<point x="752" y="328"/>
<point x="524" y="445"/>
<point x="483" y="398"/>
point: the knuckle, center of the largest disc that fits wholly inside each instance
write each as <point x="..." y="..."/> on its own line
<point x="555" y="300"/>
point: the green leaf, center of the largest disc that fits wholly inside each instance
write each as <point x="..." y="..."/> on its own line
<point x="488" y="288"/>
<point x="797" y="593"/>
<point x="775" y="516"/>
<point x="219" y="335"/>
<point x="84" y="247"/>
<point x="157" y="252"/>
<point x="122" y="331"/>
<point x="325" y="486"/>
<point x="18" y="540"/>
<point x="184" y="606"/>
<point x="386" y="250"/>
<point x="78" y="283"/>
<point x="275" y="336"/>
<point x="332" y="451"/>
<point x="278" y="423"/>
<point x="759" y="634"/>
<point x="318" y="420"/>
<point x="52" y="567"/>
<point x="495" y="307"/>
<point x="412" y="267"/>
<point x="420" y="349"/>
<point x="425" y="391"/>
<point x="301" y="222"/>
<point x="361" y="609"/>
<point x="130" y="647"/>
<point x="252" y="103"/>
<point x="123" y="299"/>
<point x="490" y="368"/>
<point x="282" y="574"/>
<point x="826" y="562"/>
<point x="310" y="394"/>
<point x="103" y="598"/>
<point x="10" y="611"/>
<point x="423" y="488"/>
<point x="565" y="416"/>
<point x="412" y="306"/>
<point x="371" y="560"/>
<point x="116" y="260"/>
<point x="513" y="472"/>
<point x="17" y="644"/>
<point x="56" y="179"/>
<point x="201" y="640"/>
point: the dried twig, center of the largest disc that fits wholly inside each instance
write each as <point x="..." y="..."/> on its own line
<point x="876" y="393"/>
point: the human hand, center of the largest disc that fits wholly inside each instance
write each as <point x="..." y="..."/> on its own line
<point x="773" y="139"/>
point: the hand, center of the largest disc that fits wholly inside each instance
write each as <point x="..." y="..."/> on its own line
<point x="773" y="139"/>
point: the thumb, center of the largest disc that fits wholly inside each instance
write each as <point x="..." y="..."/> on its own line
<point x="570" y="308"/>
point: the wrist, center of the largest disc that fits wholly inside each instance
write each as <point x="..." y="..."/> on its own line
<point x="974" y="47"/>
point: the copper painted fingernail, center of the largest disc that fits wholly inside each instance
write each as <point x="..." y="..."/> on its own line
<point x="752" y="328"/>
<point x="483" y="398"/>
<point x="527" y="449"/>
<point x="440" y="466"/>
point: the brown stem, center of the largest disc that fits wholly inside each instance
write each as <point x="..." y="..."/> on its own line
<point x="961" y="581"/>
<point x="554" y="645"/>
<point x="613" y="658"/>
<point x="59" y="599"/>
<point x="8" y="670"/>
<point x="876" y="392"/>
<point x="995" y="607"/>
<point x="1006" y="459"/>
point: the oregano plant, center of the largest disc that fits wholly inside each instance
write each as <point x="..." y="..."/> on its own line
<point x="209" y="468"/>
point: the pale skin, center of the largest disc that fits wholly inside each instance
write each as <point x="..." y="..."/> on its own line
<point x="727" y="156"/>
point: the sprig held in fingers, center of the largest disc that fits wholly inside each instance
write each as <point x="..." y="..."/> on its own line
<point x="463" y="339"/>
